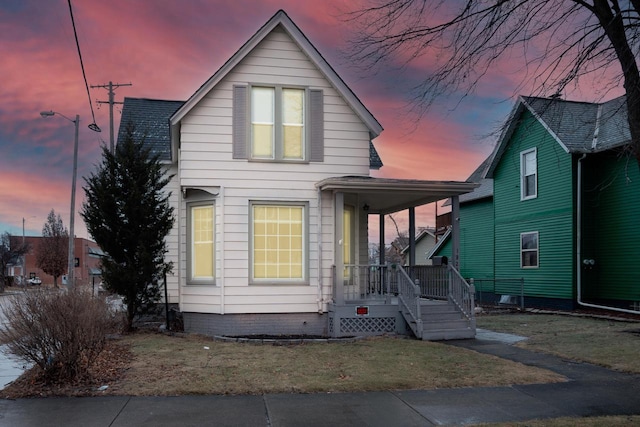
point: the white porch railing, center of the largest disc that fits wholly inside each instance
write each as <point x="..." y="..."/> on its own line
<point x="432" y="279"/>
<point x="364" y="282"/>
<point x="462" y="294"/>
<point x="409" y="301"/>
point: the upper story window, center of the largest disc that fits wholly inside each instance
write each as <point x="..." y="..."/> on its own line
<point x="276" y="123"/>
<point x="528" y="174"/>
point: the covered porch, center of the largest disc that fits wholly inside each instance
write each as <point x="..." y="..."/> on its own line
<point x="432" y="302"/>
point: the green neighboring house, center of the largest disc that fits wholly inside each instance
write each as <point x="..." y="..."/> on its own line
<point x="564" y="211"/>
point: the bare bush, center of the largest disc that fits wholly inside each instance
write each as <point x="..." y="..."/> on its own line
<point x="60" y="332"/>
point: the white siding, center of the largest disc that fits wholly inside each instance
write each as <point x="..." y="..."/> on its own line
<point x="205" y="160"/>
<point x="172" y="239"/>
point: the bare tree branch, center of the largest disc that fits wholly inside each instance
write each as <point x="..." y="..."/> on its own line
<point x="556" y="43"/>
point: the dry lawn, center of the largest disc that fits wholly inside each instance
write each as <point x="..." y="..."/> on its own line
<point x="166" y="365"/>
<point x="151" y="364"/>
<point x="609" y="343"/>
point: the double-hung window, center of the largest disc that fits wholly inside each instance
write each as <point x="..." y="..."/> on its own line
<point x="529" y="250"/>
<point x="277" y="123"/>
<point x="201" y="241"/>
<point x="528" y="174"/>
<point x="278" y="243"/>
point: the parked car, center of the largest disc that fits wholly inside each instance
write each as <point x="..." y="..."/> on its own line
<point x="35" y="281"/>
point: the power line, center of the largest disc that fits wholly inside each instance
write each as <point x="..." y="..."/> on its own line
<point x="84" y="75"/>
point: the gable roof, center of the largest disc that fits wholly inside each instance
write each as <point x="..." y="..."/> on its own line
<point x="445" y="237"/>
<point x="484" y="190"/>
<point x="578" y="127"/>
<point x="424" y="233"/>
<point x="150" y="118"/>
<point x="282" y="19"/>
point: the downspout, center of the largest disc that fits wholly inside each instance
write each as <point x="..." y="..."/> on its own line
<point x="320" y="298"/>
<point x="579" y="249"/>
<point x="222" y="255"/>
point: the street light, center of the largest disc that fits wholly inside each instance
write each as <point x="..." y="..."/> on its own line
<point x="94" y="127"/>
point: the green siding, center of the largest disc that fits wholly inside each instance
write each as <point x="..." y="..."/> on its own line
<point x="445" y="249"/>
<point x="551" y="213"/>
<point x="611" y="232"/>
<point x="476" y="239"/>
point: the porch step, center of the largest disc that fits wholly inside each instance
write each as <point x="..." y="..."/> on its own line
<point x="441" y="320"/>
<point x="447" y="334"/>
<point x="433" y="325"/>
<point x="441" y="316"/>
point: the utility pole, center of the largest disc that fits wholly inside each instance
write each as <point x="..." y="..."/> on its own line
<point x="110" y="87"/>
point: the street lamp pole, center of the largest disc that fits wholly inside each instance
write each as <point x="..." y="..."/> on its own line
<point x="71" y="261"/>
<point x="72" y="258"/>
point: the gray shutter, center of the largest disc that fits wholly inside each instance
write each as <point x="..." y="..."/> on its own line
<point x="240" y="122"/>
<point x="316" y="125"/>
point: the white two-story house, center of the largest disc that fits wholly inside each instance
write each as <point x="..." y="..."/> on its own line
<point x="270" y="160"/>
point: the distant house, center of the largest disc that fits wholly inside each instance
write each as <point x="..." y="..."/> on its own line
<point x="424" y="243"/>
<point x="270" y="160"/>
<point x="476" y="230"/>
<point x="87" y="263"/>
<point x="564" y="208"/>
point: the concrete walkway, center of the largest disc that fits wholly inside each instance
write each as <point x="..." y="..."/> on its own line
<point x="589" y="391"/>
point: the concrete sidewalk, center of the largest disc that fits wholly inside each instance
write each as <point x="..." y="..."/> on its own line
<point x="589" y="391"/>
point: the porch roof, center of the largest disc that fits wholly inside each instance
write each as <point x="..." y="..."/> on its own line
<point x="386" y="195"/>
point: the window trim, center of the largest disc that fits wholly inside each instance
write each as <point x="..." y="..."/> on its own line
<point x="523" y="177"/>
<point x="305" y="244"/>
<point x="199" y="202"/>
<point x="278" y="125"/>
<point x="536" y="250"/>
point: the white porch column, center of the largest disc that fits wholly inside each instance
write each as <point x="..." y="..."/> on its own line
<point x="338" y="250"/>
<point x="381" y="241"/>
<point x="412" y="236"/>
<point x="455" y="232"/>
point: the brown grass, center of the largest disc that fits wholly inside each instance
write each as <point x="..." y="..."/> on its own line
<point x="609" y="343"/>
<point x="177" y="365"/>
<point x="165" y="365"/>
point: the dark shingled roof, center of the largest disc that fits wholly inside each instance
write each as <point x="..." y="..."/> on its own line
<point x="579" y="127"/>
<point x="374" y="159"/>
<point x="151" y="120"/>
<point x="584" y="127"/>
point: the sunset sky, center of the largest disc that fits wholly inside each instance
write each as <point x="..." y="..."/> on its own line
<point x="167" y="49"/>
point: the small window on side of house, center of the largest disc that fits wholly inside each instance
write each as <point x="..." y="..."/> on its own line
<point x="529" y="250"/>
<point x="528" y="174"/>
<point x="201" y="243"/>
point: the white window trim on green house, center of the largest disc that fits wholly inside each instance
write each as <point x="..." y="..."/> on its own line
<point x="201" y="248"/>
<point x="528" y="173"/>
<point x="298" y="266"/>
<point x="526" y="247"/>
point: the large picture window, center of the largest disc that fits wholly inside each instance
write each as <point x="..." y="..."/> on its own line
<point x="278" y="242"/>
<point x="201" y="243"/>
<point x="529" y="174"/>
<point x="529" y="250"/>
<point x="277" y="123"/>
